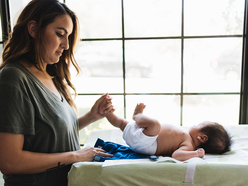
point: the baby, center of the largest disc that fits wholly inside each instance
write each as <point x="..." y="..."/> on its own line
<point x="147" y="136"/>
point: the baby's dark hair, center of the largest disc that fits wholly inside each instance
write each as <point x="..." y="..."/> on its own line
<point x="219" y="141"/>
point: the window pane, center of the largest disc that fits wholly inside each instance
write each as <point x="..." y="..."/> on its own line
<point x="1" y="36"/>
<point x="212" y="65"/>
<point x="84" y="104"/>
<point x="153" y="66"/>
<point x="1" y="50"/>
<point x="223" y="109"/>
<point x="165" y="108"/>
<point x="1" y="179"/>
<point x="16" y="7"/>
<point x="152" y="18"/>
<point x="211" y="17"/>
<point x="98" y="18"/>
<point x="101" y="64"/>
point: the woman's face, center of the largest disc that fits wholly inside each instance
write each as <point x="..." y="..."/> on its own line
<point x="56" y="38"/>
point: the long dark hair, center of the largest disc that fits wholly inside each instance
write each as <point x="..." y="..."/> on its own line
<point x="20" y="45"/>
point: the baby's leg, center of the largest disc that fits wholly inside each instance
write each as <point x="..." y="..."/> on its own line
<point x="151" y="126"/>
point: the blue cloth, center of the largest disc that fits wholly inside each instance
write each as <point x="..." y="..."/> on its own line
<point x="118" y="151"/>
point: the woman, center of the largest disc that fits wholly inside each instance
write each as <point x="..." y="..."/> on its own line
<point x="39" y="128"/>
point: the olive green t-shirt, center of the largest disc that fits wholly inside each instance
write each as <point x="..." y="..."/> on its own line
<point x="48" y="123"/>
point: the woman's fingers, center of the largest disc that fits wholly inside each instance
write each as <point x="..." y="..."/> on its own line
<point x="106" y="105"/>
<point x="101" y="152"/>
<point x="102" y="102"/>
<point x="105" y="154"/>
<point x="109" y="108"/>
<point x="102" y="98"/>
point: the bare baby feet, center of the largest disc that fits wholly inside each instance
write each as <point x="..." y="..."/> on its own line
<point x="139" y="109"/>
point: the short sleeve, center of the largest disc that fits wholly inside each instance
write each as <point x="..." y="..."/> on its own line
<point x="16" y="110"/>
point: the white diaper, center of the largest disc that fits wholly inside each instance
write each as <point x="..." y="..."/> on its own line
<point x="138" y="141"/>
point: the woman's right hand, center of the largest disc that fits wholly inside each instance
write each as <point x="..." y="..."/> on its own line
<point x="88" y="153"/>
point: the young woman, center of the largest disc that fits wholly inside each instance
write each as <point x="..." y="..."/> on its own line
<point x="39" y="128"/>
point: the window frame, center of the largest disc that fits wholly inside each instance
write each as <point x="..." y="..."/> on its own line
<point x="5" y="20"/>
<point x="243" y="112"/>
<point x="243" y="115"/>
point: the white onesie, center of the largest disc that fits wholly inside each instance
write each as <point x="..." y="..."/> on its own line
<point x="138" y="141"/>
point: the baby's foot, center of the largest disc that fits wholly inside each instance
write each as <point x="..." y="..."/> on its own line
<point x="139" y="109"/>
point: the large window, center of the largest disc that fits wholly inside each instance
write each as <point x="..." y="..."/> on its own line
<point x="1" y="35"/>
<point x="182" y="58"/>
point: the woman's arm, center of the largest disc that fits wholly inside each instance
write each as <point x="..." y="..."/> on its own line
<point x="14" y="160"/>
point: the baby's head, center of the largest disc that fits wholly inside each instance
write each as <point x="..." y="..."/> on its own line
<point x="218" y="140"/>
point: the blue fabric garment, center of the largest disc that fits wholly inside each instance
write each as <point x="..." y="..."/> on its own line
<point x="118" y="151"/>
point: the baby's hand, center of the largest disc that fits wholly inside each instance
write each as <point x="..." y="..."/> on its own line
<point x="106" y="105"/>
<point x="200" y="152"/>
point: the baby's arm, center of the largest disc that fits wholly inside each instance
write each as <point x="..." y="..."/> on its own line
<point x="183" y="153"/>
<point x="116" y="121"/>
<point x="109" y="114"/>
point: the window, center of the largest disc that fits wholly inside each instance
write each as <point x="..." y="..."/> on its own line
<point x="1" y="38"/>
<point x="16" y="6"/>
<point x="1" y="35"/>
<point x="182" y="58"/>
